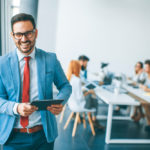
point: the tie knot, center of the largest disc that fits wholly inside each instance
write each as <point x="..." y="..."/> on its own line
<point x="27" y="58"/>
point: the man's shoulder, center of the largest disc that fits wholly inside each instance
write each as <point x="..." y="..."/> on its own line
<point x="4" y="58"/>
<point x="43" y="52"/>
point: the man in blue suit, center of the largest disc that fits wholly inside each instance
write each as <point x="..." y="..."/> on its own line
<point x="28" y="74"/>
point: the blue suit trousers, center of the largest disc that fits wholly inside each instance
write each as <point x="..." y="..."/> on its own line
<point x="28" y="141"/>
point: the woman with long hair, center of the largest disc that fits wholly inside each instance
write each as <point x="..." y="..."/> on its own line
<point x="78" y="98"/>
<point x="73" y="75"/>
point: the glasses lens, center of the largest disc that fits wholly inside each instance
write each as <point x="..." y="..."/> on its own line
<point x="18" y="35"/>
<point x="27" y="34"/>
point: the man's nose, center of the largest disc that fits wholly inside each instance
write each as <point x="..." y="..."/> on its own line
<point x="24" y="38"/>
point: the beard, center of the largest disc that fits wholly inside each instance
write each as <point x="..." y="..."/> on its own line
<point x="136" y="72"/>
<point x="83" y="68"/>
<point x="26" y="51"/>
<point x="31" y="46"/>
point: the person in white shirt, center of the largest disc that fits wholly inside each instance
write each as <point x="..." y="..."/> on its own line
<point x="138" y="78"/>
<point x="146" y="88"/>
<point x="140" y="75"/>
<point x="73" y="76"/>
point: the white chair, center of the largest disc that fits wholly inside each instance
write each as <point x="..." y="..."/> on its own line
<point x="78" y="108"/>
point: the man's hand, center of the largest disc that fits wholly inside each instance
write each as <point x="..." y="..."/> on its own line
<point x="91" y="92"/>
<point x="55" y="109"/>
<point x="25" y="109"/>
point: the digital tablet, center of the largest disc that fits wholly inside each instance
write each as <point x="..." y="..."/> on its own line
<point x="90" y="86"/>
<point x="42" y="104"/>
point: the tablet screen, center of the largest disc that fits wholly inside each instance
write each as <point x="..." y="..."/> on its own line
<point x="43" y="104"/>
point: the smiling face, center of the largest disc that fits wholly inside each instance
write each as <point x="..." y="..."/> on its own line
<point x="138" y="68"/>
<point x="26" y="43"/>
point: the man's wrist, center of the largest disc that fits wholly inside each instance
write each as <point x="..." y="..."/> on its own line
<point x="15" y="109"/>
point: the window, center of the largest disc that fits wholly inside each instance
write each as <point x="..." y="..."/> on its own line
<point x="9" y="9"/>
<point x="15" y="7"/>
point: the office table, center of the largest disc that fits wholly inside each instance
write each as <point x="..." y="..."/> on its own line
<point x="120" y="99"/>
<point x="137" y="93"/>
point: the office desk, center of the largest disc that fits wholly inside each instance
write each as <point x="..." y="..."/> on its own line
<point x="137" y="93"/>
<point x="120" y="99"/>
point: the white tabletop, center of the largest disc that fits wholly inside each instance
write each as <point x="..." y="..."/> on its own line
<point x="112" y="98"/>
<point x="138" y="92"/>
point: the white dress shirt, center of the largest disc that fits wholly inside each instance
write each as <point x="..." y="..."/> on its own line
<point x="35" y="117"/>
<point x="140" y="77"/>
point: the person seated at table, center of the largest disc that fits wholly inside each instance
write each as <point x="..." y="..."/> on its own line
<point x="140" y="75"/>
<point x="83" y="60"/>
<point x="138" y="78"/>
<point x="73" y="76"/>
<point x="146" y="88"/>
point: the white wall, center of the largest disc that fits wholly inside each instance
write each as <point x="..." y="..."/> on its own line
<point x="114" y="31"/>
<point x="46" y="24"/>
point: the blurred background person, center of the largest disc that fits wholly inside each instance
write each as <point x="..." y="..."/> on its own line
<point x="83" y="99"/>
<point x="146" y="88"/>
<point x="139" y="78"/>
<point x="83" y="60"/>
<point x="140" y="75"/>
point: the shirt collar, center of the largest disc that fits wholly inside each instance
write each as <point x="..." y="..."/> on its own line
<point x="21" y="55"/>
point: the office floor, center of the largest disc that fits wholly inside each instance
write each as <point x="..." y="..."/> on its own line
<point x="84" y="140"/>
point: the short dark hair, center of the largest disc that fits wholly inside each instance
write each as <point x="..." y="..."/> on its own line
<point x="141" y="64"/>
<point x="22" y="17"/>
<point x="147" y="62"/>
<point x="84" y="58"/>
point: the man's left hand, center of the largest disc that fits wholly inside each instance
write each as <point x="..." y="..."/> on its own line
<point x="55" y="109"/>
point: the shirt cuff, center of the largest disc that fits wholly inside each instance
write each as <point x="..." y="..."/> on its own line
<point x="15" y="109"/>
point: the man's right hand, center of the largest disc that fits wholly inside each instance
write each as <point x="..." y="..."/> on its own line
<point x="25" y="109"/>
<point x="91" y="92"/>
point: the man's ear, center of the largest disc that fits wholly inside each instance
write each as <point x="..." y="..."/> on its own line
<point x="11" y="33"/>
<point x="36" y="33"/>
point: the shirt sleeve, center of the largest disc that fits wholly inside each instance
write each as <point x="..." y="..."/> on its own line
<point x="15" y="109"/>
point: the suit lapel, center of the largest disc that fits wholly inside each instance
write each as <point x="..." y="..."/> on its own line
<point x="40" y="61"/>
<point x="14" y="65"/>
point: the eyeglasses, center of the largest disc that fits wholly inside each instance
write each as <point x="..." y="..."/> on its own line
<point x="28" y="34"/>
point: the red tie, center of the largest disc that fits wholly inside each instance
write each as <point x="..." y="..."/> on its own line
<point x="25" y="92"/>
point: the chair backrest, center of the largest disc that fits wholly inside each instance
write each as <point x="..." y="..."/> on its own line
<point x="75" y="104"/>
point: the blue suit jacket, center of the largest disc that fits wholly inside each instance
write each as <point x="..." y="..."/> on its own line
<point x="49" y="71"/>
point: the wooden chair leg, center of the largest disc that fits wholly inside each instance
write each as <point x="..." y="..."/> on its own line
<point x="91" y="124"/>
<point x="71" y="115"/>
<point x="79" y="120"/>
<point x="62" y="114"/>
<point x="84" y="122"/>
<point x="75" y="124"/>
